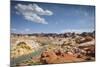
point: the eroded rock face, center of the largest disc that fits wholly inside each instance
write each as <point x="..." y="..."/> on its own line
<point x="18" y="52"/>
<point x="60" y="48"/>
<point x="72" y="54"/>
<point x="21" y="49"/>
<point x="90" y="51"/>
<point x="48" y="57"/>
<point x="57" y="56"/>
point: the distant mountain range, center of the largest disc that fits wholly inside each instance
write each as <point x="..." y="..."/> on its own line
<point x="68" y="34"/>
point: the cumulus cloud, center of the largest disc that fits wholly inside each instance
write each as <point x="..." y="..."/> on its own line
<point x="32" y="12"/>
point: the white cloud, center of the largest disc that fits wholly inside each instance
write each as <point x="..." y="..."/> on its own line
<point x="35" y="18"/>
<point x="32" y="12"/>
<point x="40" y="11"/>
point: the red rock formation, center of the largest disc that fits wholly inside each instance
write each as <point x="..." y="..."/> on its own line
<point x="50" y="57"/>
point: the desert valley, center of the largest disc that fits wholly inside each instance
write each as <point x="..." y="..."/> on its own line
<point x="52" y="48"/>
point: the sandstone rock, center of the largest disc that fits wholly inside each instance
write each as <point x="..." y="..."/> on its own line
<point x="48" y="57"/>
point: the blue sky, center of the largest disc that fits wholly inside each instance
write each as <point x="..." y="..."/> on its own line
<point x="33" y="17"/>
